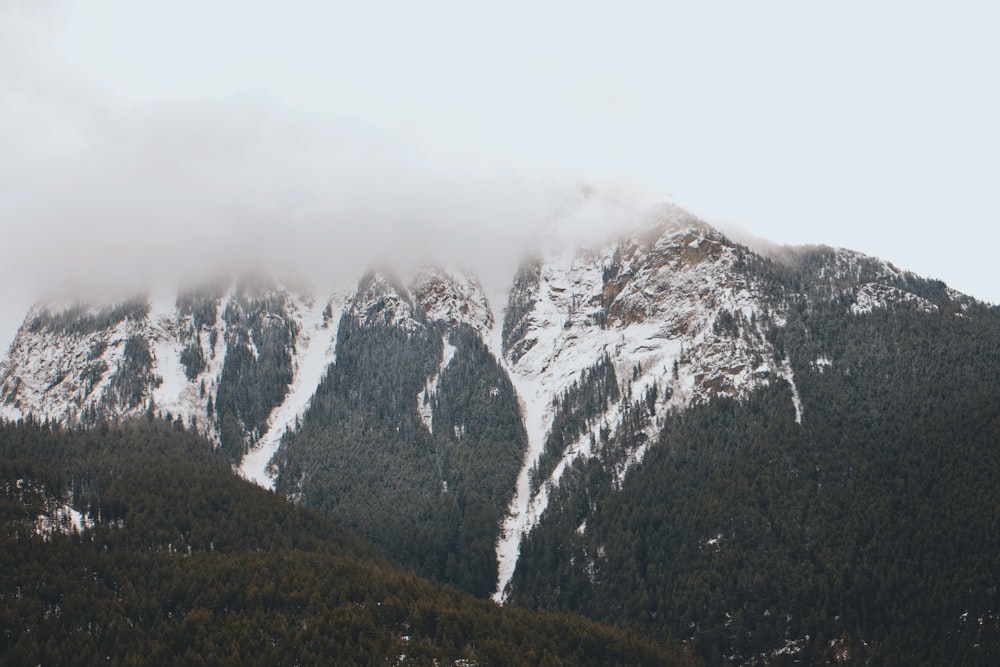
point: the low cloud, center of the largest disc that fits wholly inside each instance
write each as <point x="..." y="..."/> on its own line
<point x="240" y="184"/>
<point x="103" y="196"/>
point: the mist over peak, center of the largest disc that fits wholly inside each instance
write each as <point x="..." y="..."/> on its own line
<point x="234" y="185"/>
<point x="186" y="192"/>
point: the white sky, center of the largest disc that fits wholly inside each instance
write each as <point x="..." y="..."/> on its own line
<point x="141" y="135"/>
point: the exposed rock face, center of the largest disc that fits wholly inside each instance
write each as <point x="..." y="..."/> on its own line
<point x="453" y="298"/>
<point x="219" y="358"/>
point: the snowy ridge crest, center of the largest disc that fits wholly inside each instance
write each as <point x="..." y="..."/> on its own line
<point x="382" y="300"/>
<point x="453" y="298"/>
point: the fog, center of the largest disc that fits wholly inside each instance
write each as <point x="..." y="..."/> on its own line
<point x="239" y="183"/>
<point x="144" y="144"/>
<point x="182" y="194"/>
<point x="101" y="197"/>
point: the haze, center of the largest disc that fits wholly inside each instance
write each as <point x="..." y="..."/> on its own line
<point x="142" y="142"/>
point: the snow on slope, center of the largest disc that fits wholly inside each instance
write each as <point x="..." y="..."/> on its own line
<point x="786" y="373"/>
<point x="62" y="374"/>
<point x="177" y="394"/>
<point x="872" y="296"/>
<point x="62" y="518"/>
<point x="446" y="296"/>
<point x="564" y="347"/>
<point x="453" y="297"/>
<point x="380" y="300"/>
<point x="660" y="300"/>
<point x="316" y="350"/>
<point x="425" y="399"/>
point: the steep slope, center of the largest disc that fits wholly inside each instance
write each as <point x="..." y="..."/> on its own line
<point x="453" y="298"/>
<point x="179" y="562"/>
<point x="666" y="318"/>
<point x="76" y="362"/>
<point x="847" y="514"/>
<point x="316" y="348"/>
<point x="221" y="358"/>
<point x="413" y="437"/>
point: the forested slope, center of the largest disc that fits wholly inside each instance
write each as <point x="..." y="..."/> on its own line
<point x="184" y="563"/>
<point x="430" y="489"/>
<point x="870" y="531"/>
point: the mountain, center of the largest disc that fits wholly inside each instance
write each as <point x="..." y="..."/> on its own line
<point x="617" y="338"/>
<point x="414" y="437"/>
<point x="757" y="451"/>
<point x="218" y="357"/>
<point x="175" y="561"/>
<point x="806" y="473"/>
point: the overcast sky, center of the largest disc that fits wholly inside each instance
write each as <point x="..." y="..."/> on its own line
<point x="140" y="141"/>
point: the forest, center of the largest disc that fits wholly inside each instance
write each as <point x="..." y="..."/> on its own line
<point x="867" y="533"/>
<point x="433" y="498"/>
<point x="186" y="564"/>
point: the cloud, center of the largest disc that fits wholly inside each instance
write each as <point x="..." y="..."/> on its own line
<point x="101" y="194"/>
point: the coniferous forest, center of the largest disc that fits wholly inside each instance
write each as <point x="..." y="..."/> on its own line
<point x="186" y="564"/>
<point x="869" y="533"/>
<point x="433" y="498"/>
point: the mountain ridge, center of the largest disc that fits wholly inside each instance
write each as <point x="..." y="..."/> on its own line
<point x="453" y="439"/>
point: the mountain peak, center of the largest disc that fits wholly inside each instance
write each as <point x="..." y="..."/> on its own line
<point x="381" y="299"/>
<point x="452" y="297"/>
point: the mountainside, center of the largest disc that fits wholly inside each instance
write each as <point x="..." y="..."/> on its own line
<point x="666" y="318"/>
<point x="670" y="316"/>
<point x="179" y="562"/>
<point x="220" y="358"/>
<point x="665" y="430"/>
<point x="833" y="504"/>
<point x="414" y="437"/>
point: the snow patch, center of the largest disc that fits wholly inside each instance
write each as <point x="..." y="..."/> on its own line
<point x="425" y="399"/>
<point x="57" y="514"/>
<point x="821" y="364"/>
<point x="316" y="351"/>
<point x="63" y="519"/>
<point x="873" y="296"/>
<point x="789" y="376"/>
<point x="165" y="347"/>
<point x="713" y="541"/>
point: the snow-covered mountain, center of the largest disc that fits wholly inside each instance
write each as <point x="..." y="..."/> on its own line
<point x="684" y="315"/>
<point x="669" y="308"/>
<point x="646" y="411"/>
<point x="594" y="342"/>
<point x="195" y="356"/>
